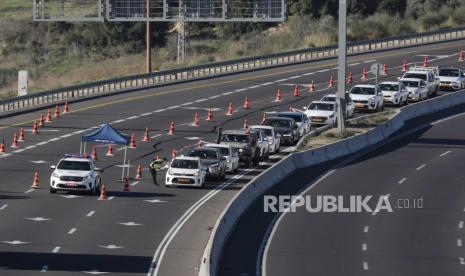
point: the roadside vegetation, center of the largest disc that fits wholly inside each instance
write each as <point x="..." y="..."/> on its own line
<point x="59" y="54"/>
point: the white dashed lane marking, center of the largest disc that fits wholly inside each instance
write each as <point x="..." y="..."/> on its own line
<point x="421" y="167"/>
<point x="402" y="180"/>
<point x="459" y="242"/>
<point x="28" y="191"/>
<point x="445" y="153"/>
<point x="364" y="247"/>
<point x="366" y="229"/>
<point x="281" y="80"/>
<point x="56" y="249"/>
<point x="91" y="213"/>
<point x="70" y="232"/>
<point x="461" y="224"/>
<point x="365" y="266"/>
<point x="3" y="206"/>
<point x="462" y="260"/>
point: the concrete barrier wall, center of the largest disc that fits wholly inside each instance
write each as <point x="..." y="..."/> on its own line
<point x="272" y="176"/>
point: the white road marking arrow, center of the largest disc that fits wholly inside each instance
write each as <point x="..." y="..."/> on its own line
<point x="95" y="272"/>
<point x="111" y="246"/>
<point x="70" y="196"/>
<point x="39" y="162"/>
<point x="39" y="219"/>
<point x="131" y="223"/>
<point x="15" y="242"/>
<point x="154" y="201"/>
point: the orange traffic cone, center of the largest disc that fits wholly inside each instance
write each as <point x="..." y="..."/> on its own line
<point x="405" y="66"/>
<point x="246" y="103"/>
<point x="138" y="172"/>
<point x="461" y="56"/>
<point x="146" y="135"/>
<point x="230" y="109"/>
<point x="21" y="135"/>
<point x="246" y="123"/>
<point x="34" y="128"/>
<point x="426" y="62"/>
<point x="385" y="69"/>
<point x="103" y="193"/>
<point x="171" y="130"/>
<point x="312" y="86"/>
<point x="278" y="97"/>
<point x="350" y="79"/>
<point x="196" y="119"/>
<point x="35" y="183"/>
<point x="364" y="73"/>
<point x="42" y="120"/>
<point x="57" y="112"/>
<point x="264" y="117"/>
<point x="94" y="153"/>
<point x="173" y="153"/>
<point x="296" y="91"/>
<point x="2" y="147"/>
<point x="132" y="144"/>
<point x="66" y="109"/>
<point x="210" y="115"/>
<point x="15" y="141"/>
<point x="331" y="82"/>
<point x="110" y="150"/>
<point x="126" y="185"/>
<point x="49" y="116"/>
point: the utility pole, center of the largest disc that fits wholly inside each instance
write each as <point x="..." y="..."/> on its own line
<point x="181" y="33"/>
<point x="148" y="58"/>
<point x="341" y="85"/>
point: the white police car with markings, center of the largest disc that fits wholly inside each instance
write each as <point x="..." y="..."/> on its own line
<point x="76" y="173"/>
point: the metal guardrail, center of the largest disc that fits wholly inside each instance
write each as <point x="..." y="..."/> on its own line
<point x="165" y="77"/>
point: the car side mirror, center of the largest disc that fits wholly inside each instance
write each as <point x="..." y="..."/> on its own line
<point x="97" y="170"/>
<point x="204" y="169"/>
<point x="53" y="167"/>
<point x="398" y="78"/>
<point x="304" y="108"/>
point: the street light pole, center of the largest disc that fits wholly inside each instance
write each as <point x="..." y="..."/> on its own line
<point x="341" y="86"/>
<point x="148" y="58"/>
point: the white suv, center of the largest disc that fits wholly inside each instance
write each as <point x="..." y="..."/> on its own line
<point x="367" y="97"/>
<point x="185" y="171"/>
<point x="76" y="173"/>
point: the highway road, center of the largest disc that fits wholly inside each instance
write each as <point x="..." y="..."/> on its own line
<point x="151" y="229"/>
<point x="419" y="240"/>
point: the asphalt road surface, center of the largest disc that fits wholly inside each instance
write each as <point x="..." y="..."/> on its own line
<point x="152" y="228"/>
<point x="422" y="176"/>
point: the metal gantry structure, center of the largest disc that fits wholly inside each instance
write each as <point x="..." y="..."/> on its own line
<point x="180" y="11"/>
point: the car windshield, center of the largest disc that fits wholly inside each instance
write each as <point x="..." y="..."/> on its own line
<point x="296" y="117"/>
<point x="204" y="154"/>
<point x="362" y="91"/>
<point x="74" y="165"/>
<point x="411" y="83"/>
<point x="389" y="87"/>
<point x="415" y="76"/>
<point x="321" y="106"/>
<point x="328" y="99"/>
<point x="223" y="151"/>
<point x="238" y="138"/>
<point x="278" y="123"/>
<point x="184" y="164"/>
<point x="267" y="132"/>
<point x="449" y="73"/>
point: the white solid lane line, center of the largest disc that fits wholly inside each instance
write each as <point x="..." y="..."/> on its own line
<point x="421" y="167"/>
<point x="91" y="213"/>
<point x="445" y="153"/>
<point x="70" y="232"/>
<point x="402" y="180"/>
<point x="56" y="249"/>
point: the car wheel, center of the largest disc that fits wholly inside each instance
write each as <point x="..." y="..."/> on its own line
<point x="400" y="103"/>
<point x="52" y="191"/>
<point x="277" y="149"/>
<point x="96" y="189"/>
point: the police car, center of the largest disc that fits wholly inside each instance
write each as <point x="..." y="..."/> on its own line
<point x="76" y="173"/>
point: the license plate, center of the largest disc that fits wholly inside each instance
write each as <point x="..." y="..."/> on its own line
<point x="444" y="85"/>
<point x="72" y="184"/>
<point x="317" y="120"/>
<point x="359" y="105"/>
<point x="184" y="180"/>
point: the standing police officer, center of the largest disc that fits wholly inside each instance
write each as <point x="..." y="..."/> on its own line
<point x="154" y="166"/>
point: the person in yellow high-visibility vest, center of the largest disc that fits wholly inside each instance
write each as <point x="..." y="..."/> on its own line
<point x="155" y="166"/>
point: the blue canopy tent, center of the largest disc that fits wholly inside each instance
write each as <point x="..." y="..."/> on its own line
<point x="106" y="134"/>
